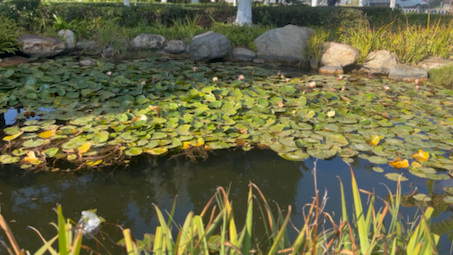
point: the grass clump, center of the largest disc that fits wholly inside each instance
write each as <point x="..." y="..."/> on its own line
<point x="442" y="76"/>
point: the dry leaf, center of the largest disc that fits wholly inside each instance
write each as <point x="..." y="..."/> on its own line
<point x="84" y="148"/>
<point x="421" y="156"/>
<point x="399" y="163"/>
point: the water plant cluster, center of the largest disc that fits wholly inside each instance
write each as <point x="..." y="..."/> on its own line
<point x="215" y="231"/>
<point x="105" y="114"/>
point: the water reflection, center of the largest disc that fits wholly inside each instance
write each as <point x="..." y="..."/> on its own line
<point x="125" y="196"/>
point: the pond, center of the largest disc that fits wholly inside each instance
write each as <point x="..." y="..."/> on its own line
<point x="240" y="122"/>
<point x="125" y="196"/>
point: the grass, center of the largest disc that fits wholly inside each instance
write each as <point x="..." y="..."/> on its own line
<point x="215" y="229"/>
<point x="442" y="76"/>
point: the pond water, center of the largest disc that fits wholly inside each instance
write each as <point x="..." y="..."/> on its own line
<point x="155" y="106"/>
<point x="125" y="196"/>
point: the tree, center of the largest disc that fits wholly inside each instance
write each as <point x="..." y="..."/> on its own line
<point x="244" y="14"/>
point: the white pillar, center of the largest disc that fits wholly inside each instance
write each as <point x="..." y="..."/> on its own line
<point x="244" y="14"/>
<point x="314" y="3"/>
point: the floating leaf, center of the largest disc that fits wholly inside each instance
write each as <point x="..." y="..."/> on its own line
<point x="84" y="148"/>
<point x="448" y="199"/>
<point x="50" y="153"/>
<point x="395" y="177"/>
<point x="378" y="169"/>
<point x="35" y="143"/>
<point x="8" y="159"/>
<point x="422" y="197"/>
<point x="12" y="137"/>
<point x="157" y="151"/>
<point x="399" y="163"/>
<point x="375" y="140"/>
<point x="421" y="156"/>
<point x="31" y="158"/>
<point x="134" y="151"/>
<point x="377" y="160"/>
<point x="47" y="134"/>
<point x="94" y="163"/>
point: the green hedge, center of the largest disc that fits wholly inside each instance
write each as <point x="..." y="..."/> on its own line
<point x="166" y="13"/>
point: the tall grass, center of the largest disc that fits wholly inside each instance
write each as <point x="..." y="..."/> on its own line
<point x="411" y="43"/>
<point x="215" y="229"/>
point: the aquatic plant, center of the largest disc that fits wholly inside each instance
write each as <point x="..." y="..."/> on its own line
<point x="215" y="229"/>
<point x="105" y="114"/>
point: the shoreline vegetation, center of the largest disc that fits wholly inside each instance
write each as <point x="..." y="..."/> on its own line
<point x="215" y="231"/>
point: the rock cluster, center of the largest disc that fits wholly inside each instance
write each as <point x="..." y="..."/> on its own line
<point x="288" y="44"/>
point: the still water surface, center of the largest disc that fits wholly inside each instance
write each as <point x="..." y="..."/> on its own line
<point x="125" y="195"/>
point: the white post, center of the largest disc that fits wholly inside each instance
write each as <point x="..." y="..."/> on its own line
<point x="314" y="3"/>
<point x="244" y="14"/>
<point x="360" y="3"/>
<point x="392" y="4"/>
<point x="127" y="2"/>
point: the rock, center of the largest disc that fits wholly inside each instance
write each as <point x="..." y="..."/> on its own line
<point x="68" y="37"/>
<point x="433" y="62"/>
<point x="338" y="54"/>
<point x="405" y="72"/>
<point x="331" y="70"/>
<point x="243" y="54"/>
<point x="314" y="64"/>
<point x="108" y="52"/>
<point x="379" y="62"/>
<point x="13" y="61"/>
<point x="258" y="61"/>
<point x="175" y="47"/>
<point x="41" y="46"/>
<point x="87" y="45"/>
<point x="209" y="45"/>
<point x="287" y="43"/>
<point x="86" y="62"/>
<point x="149" y="41"/>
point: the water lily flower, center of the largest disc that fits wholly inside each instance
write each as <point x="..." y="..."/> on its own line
<point x="417" y="81"/>
<point x="288" y="79"/>
<point x="241" y="77"/>
<point x="339" y="78"/>
<point x="312" y="84"/>
<point x="343" y="88"/>
<point x="215" y="79"/>
<point x="280" y="104"/>
<point x="194" y="68"/>
<point x="109" y="73"/>
<point x="417" y="87"/>
<point x="331" y="113"/>
<point x="386" y="88"/>
<point x="90" y="223"/>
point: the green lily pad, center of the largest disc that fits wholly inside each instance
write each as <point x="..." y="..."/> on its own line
<point x="422" y="197"/>
<point x="35" y="143"/>
<point x="395" y="177"/>
<point x="8" y="159"/>
<point x="134" y="151"/>
<point x="377" y="160"/>
<point x="50" y="153"/>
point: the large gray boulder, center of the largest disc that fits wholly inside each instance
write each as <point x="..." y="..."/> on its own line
<point x="149" y="41"/>
<point x="405" y="72"/>
<point x="243" y="54"/>
<point x="41" y="46"/>
<point x="287" y="43"/>
<point x="380" y="61"/>
<point x="209" y="45"/>
<point x="338" y="54"/>
<point x="68" y="37"/>
<point x="433" y="62"/>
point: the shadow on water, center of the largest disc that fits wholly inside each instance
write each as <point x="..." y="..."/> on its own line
<point x="125" y="196"/>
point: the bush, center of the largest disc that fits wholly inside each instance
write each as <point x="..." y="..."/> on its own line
<point x="442" y="76"/>
<point x="9" y="33"/>
<point x="21" y="11"/>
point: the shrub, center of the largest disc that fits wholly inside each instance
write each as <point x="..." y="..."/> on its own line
<point x="442" y="76"/>
<point x="9" y="33"/>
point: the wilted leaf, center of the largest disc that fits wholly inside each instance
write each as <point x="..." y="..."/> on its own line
<point x="399" y="163"/>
